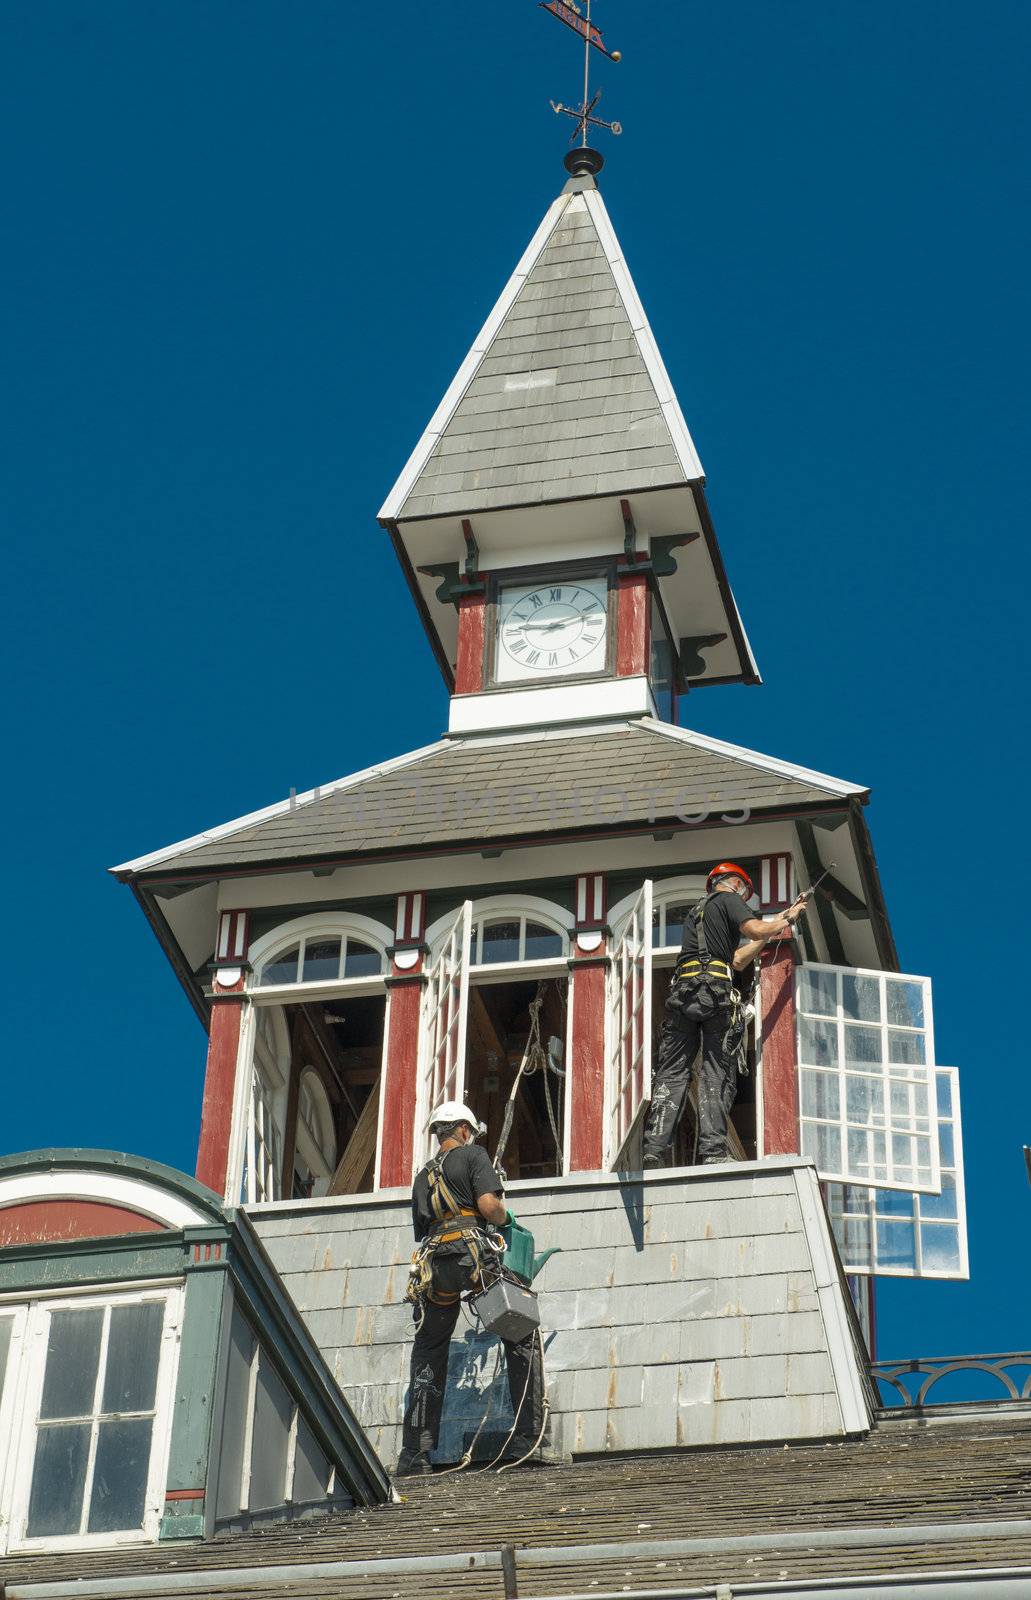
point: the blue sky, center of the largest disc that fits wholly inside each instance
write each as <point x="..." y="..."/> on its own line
<point x="245" y="248"/>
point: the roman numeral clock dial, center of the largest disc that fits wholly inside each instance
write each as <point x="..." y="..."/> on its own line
<point x="555" y="630"/>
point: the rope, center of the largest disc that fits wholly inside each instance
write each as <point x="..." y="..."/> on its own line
<point x="534" y="1059"/>
<point x="468" y="1453"/>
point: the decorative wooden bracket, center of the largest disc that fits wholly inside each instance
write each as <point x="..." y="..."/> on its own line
<point x="691" y="663"/>
<point x="454" y="584"/>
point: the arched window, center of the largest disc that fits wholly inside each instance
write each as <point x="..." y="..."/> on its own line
<point x="508" y="929"/>
<point x="321" y="949"/>
<point x="315" y="1142"/>
<point x="672" y="900"/>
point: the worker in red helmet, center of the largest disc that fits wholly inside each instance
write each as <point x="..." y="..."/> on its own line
<point x="721" y="937"/>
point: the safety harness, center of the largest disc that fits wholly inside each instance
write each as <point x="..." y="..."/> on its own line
<point x="448" y="1211"/>
<point x="708" y="987"/>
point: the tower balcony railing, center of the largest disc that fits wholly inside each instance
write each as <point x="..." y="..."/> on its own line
<point x="918" y="1387"/>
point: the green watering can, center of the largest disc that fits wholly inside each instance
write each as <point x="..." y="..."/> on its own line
<point x="519" y="1257"/>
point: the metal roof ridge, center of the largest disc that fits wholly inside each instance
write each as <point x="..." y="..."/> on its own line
<point x="410" y="472"/>
<point x="277" y="809"/>
<point x="755" y="758"/>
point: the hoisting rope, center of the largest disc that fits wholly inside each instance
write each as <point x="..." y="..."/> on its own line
<point x="535" y="1059"/>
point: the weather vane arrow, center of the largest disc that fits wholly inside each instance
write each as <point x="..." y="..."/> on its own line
<point x="569" y="12"/>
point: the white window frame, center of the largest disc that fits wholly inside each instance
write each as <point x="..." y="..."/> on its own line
<point x="260" y="1353"/>
<point x="628" y="1020"/>
<point x="310" y="930"/>
<point x="447" y="974"/>
<point x="521" y="908"/>
<point x="870" y="1265"/>
<point x="19" y="1414"/>
<point x="913" y="1075"/>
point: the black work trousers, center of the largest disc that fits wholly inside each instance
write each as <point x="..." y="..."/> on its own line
<point x="671" y="1080"/>
<point x="428" y="1378"/>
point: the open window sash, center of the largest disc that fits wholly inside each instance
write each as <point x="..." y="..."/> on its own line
<point x="909" y="1235"/>
<point x="629" y="1032"/>
<point x="445" y="1011"/>
<point x="866" y="1085"/>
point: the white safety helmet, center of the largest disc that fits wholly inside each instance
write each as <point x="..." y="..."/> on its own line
<point x="456" y="1111"/>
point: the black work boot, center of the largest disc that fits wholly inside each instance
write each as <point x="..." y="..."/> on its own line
<point x="412" y="1463"/>
<point x="650" y="1161"/>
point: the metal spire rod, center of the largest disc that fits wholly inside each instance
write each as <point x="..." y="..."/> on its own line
<point x="568" y="12"/>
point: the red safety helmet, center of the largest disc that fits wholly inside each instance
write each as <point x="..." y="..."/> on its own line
<point x="728" y="869"/>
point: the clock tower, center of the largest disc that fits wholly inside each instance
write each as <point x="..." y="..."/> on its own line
<point x="552" y="520"/>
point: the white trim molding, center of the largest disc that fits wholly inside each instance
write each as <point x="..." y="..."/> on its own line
<point x="603" y="698"/>
<point x="75" y="1184"/>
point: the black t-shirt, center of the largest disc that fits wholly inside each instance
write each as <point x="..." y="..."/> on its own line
<point x="724" y="915"/>
<point x="468" y="1173"/>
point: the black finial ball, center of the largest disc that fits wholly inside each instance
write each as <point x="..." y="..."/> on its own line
<point x="583" y="160"/>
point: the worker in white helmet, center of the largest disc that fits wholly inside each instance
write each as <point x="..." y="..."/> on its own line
<point x="456" y="1199"/>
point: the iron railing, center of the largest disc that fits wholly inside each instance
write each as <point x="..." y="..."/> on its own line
<point x="907" y="1385"/>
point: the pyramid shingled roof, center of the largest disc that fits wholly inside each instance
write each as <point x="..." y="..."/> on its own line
<point x="502" y="786"/>
<point x="563" y="394"/>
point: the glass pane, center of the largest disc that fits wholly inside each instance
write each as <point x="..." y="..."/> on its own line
<point x="58" y="1479"/>
<point x="862" y="1045"/>
<point x="6" y="1324"/>
<point x="234" y="1419"/>
<point x="272" y="1412"/>
<point x="119" y="1494"/>
<point x="896" y="1245"/>
<point x="894" y="1202"/>
<point x="818" y="992"/>
<point x="864" y="1101"/>
<point x="946" y="1144"/>
<point x="361" y="960"/>
<point x="311" y="1467"/>
<point x="73" y="1351"/>
<point x="823" y="1145"/>
<point x="134" y="1345"/>
<point x="676" y="920"/>
<point x="283" y="969"/>
<point x="940" y="1205"/>
<point x="541" y="942"/>
<point x="944" y="1094"/>
<point x="321" y="960"/>
<point x="861" y="997"/>
<point x="939" y="1247"/>
<point x="905" y="1002"/>
<point x="500" y="942"/>
<point x="818" y="1042"/>
<point x="907" y="1049"/>
<point x="821" y="1095"/>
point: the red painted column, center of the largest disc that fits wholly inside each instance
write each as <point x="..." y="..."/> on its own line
<point x="633" y="624"/>
<point x="586" y="1076"/>
<point x="216" y="1118"/>
<point x="232" y="942"/>
<point x="779" y="1057"/>
<point x="469" y="662"/>
<point x="401" y="1046"/>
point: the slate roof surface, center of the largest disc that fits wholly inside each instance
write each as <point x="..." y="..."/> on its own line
<point x="568" y="397"/>
<point x="483" y="789"/>
<point x="970" y="1471"/>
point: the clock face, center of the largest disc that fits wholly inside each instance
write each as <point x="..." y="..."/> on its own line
<point x="552" y="630"/>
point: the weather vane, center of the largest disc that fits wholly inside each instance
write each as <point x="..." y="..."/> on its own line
<point x="569" y="12"/>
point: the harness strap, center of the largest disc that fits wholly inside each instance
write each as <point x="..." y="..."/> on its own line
<point x="692" y="967"/>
